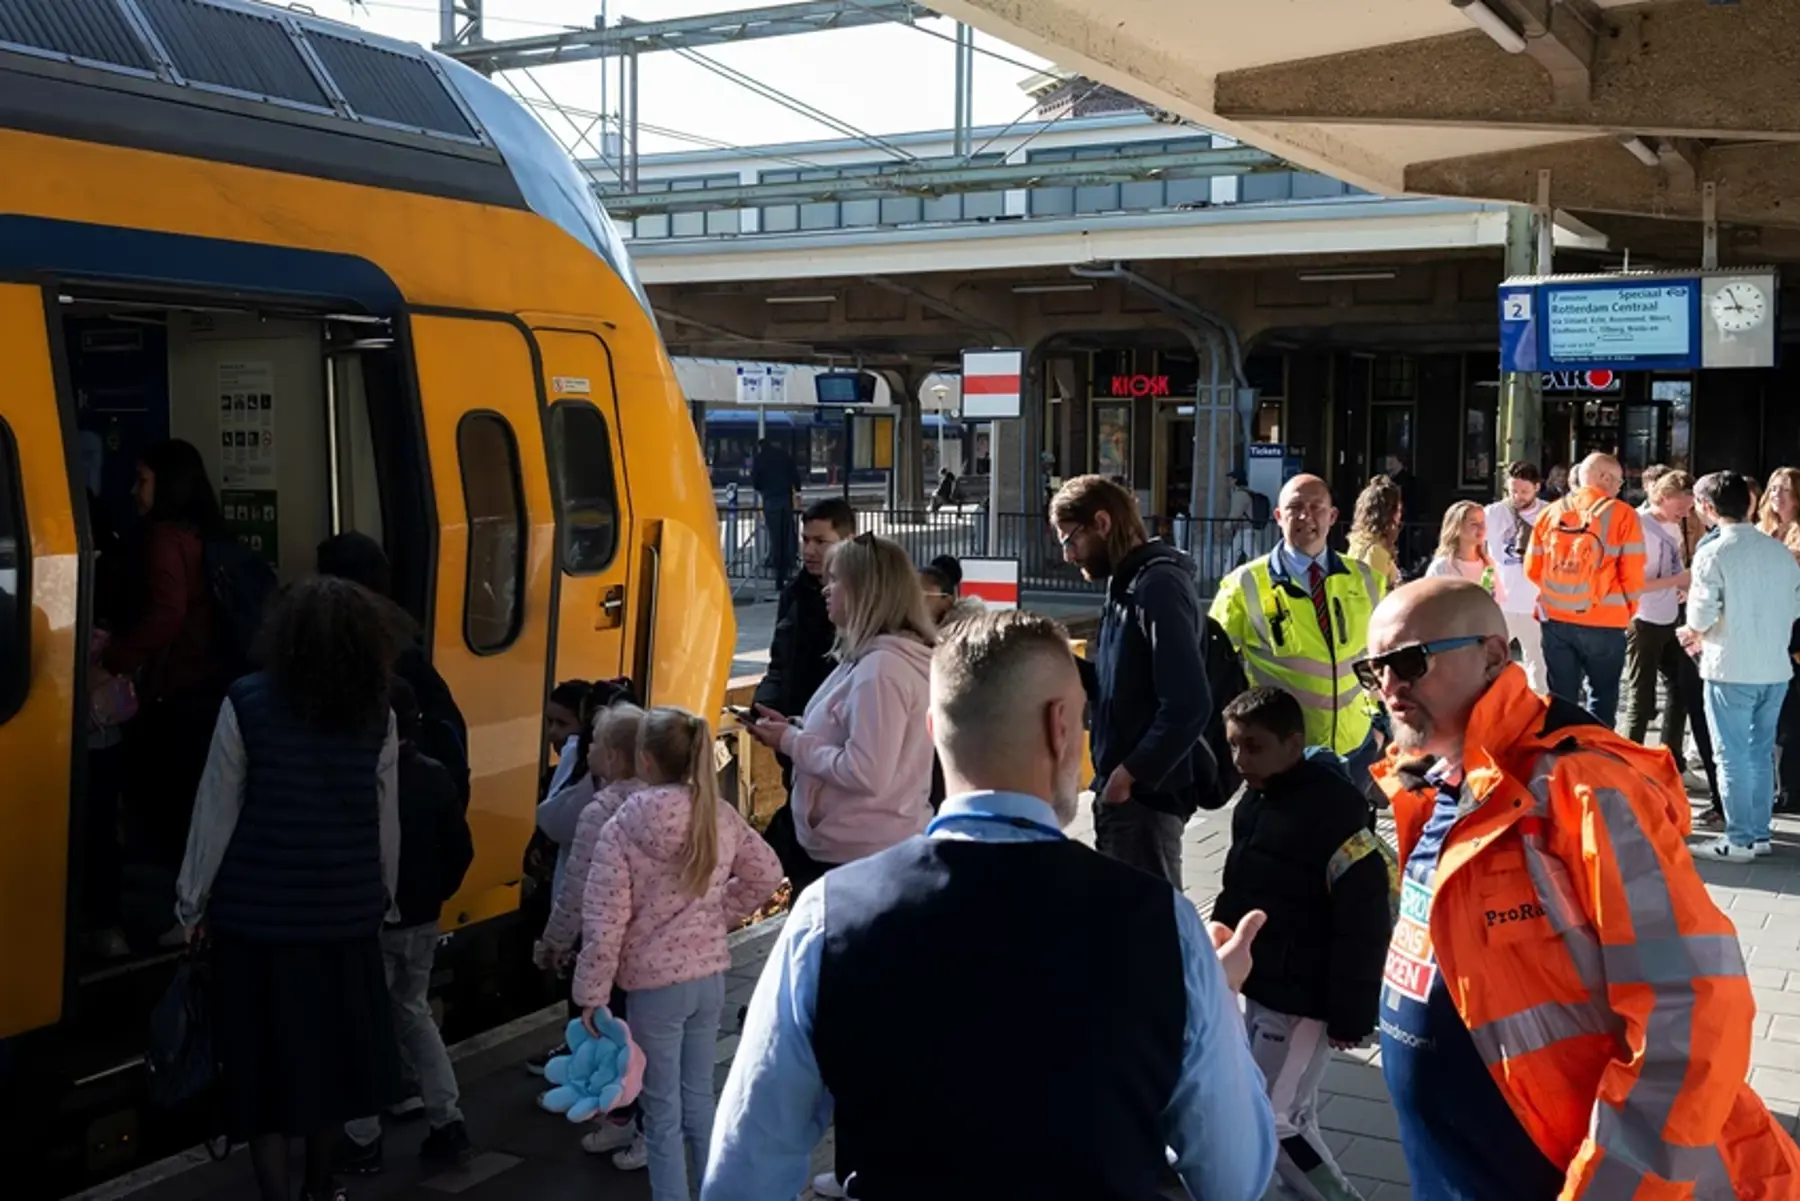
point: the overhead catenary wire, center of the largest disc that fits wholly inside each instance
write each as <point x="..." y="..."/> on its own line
<point x="776" y="95"/>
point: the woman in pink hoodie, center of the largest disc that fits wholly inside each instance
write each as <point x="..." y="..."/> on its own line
<point x="861" y="752"/>
<point x="673" y="871"/>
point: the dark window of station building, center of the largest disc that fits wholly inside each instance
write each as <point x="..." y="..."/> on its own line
<point x="1267" y="373"/>
<point x="581" y="453"/>
<point x="494" y="503"/>
<point x="15" y="581"/>
<point x="1182" y="370"/>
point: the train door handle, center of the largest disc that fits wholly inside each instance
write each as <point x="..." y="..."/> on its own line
<point x="612" y="608"/>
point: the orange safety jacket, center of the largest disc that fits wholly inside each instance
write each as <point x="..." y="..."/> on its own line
<point x="1603" y="591"/>
<point x="1603" y="988"/>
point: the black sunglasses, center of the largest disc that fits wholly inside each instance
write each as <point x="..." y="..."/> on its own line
<point x="1408" y="663"/>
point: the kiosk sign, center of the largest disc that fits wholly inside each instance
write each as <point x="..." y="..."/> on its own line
<point x="1588" y="324"/>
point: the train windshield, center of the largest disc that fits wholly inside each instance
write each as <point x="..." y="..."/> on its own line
<point x="549" y="179"/>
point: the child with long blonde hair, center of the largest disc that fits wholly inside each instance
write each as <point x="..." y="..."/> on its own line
<point x="673" y="872"/>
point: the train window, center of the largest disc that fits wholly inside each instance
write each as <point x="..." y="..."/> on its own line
<point x="15" y="560"/>
<point x="494" y="500"/>
<point x="581" y="455"/>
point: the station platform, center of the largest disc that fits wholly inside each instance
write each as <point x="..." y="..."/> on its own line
<point x="523" y="1152"/>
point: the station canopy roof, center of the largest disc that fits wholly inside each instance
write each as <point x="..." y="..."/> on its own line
<point x="1631" y="107"/>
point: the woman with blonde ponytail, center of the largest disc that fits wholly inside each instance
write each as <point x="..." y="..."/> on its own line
<point x="673" y="872"/>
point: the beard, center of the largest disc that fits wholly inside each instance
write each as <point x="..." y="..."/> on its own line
<point x="1098" y="566"/>
<point x="1412" y="735"/>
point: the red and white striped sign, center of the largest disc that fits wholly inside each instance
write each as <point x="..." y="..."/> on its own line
<point x="991" y="383"/>
<point x="994" y="581"/>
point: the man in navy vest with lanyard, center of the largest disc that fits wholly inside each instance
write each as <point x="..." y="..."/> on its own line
<point x="1011" y="983"/>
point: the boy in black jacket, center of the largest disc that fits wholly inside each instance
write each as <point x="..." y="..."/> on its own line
<point x="435" y="852"/>
<point x="1302" y="851"/>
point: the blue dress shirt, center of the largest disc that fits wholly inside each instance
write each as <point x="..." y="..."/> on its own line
<point x="1299" y="566"/>
<point x="775" y="1108"/>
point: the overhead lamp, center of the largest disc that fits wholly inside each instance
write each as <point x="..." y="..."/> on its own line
<point x="1640" y="150"/>
<point x="1343" y="277"/>
<point x="1045" y="289"/>
<point x="1482" y="13"/>
<point x="821" y="298"/>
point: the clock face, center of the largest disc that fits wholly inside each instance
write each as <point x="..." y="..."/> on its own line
<point x="1739" y="306"/>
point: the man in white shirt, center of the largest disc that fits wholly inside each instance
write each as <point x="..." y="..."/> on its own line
<point x="1742" y="605"/>
<point x="1509" y="524"/>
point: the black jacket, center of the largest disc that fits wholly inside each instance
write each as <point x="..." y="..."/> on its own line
<point x="435" y="846"/>
<point x="1151" y="701"/>
<point x="774" y="477"/>
<point x="1322" y="953"/>
<point x="799" y="653"/>
<point x="443" y="735"/>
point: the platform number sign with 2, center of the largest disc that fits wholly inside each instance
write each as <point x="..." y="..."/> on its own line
<point x="1516" y="306"/>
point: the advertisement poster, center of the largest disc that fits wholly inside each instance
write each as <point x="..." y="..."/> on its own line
<point x="1112" y="440"/>
<point x="247" y="424"/>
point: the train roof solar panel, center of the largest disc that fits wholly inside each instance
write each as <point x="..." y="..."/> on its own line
<point x="251" y="52"/>
<point x="383" y="85"/>
<point x="93" y="31"/>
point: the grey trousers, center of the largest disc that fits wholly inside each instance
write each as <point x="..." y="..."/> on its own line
<point x="407" y="954"/>
<point x="1145" y="838"/>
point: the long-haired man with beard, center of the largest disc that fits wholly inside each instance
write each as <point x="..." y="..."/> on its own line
<point x="1564" y="1010"/>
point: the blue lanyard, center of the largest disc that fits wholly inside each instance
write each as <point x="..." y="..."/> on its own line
<point x="998" y="819"/>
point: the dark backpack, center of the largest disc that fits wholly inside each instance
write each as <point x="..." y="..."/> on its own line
<point x="241" y="582"/>
<point x="1260" y="510"/>
<point x="1226" y="680"/>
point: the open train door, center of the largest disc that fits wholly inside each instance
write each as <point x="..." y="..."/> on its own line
<point x="495" y="598"/>
<point x="40" y="613"/>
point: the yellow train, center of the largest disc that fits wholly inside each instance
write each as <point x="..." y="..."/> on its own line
<point x="441" y="343"/>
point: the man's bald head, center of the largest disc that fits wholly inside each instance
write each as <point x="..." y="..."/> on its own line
<point x="1437" y="608"/>
<point x="1305" y="514"/>
<point x="1461" y="639"/>
<point x="1601" y="471"/>
<point x="1006" y="707"/>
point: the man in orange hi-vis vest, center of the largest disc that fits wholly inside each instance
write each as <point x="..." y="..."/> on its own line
<point x="1564" y="1012"/>
<point x="1587" y="559"/>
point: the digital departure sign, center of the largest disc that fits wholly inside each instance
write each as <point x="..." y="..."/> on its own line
<point x="1640" y="322"/>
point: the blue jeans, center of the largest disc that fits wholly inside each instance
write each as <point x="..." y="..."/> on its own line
<point x="1742" y="718"/>
<point x="678" y="1029"/>
<point x="1572" y="651"/>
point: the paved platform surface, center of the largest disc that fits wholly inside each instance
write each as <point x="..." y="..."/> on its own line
<point x="527" y="1153"/>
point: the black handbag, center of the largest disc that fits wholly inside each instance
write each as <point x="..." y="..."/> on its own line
<point x="182" y="1064"/>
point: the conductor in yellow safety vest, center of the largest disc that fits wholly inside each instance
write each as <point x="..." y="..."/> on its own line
<point x="1299" y="618"/>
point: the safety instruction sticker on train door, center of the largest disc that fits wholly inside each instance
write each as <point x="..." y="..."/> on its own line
<point x="247" y="424"/>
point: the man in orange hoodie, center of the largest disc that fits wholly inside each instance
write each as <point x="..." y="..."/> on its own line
<point x="1587" y="559"/>
<point x="1565" y="1011"/>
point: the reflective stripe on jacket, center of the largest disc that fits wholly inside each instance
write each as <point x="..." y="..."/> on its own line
<point x="1270" y="619"/>
<point x="1609" y="598"/>
<point x="1604" y="989"/>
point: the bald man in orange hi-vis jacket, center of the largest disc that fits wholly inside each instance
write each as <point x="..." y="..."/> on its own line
<point x="1564" y="1012"/>
<point x="1587" y="559"/>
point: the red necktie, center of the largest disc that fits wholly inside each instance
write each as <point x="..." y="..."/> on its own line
<point x="1315" y="576"/>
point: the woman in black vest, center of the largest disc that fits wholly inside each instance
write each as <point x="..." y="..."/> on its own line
<point x="291" y="865"/>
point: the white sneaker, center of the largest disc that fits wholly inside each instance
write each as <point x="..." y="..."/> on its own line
<point x="608" y="1136"/>
<point x="634" y="1157"/>
<point x="1725" y="851"/>
<point x="825" y="1184"/>
<point x="1763" y="847"/>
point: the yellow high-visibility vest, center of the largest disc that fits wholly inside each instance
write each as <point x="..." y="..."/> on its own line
<point x="1270" y="619"/>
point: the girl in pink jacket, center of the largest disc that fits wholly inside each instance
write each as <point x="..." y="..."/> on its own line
<point x="673" y="871"/>
<point x="612" y="761"/>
